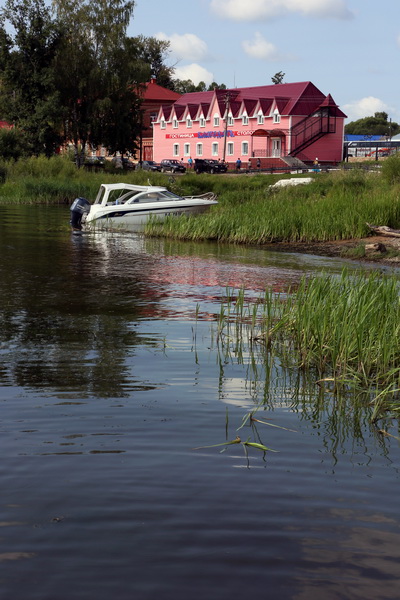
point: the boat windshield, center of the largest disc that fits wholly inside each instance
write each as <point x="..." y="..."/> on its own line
<point x="112" y="197"/>
<point x="156" y="196"/>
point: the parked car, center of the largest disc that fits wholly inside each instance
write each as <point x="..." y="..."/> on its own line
<point x="122" y="163"/>
<point x="209" y="165"/>
<point x="150" y="165"/>
<point x="172" y="166"/>
<point x="94" y="162"/>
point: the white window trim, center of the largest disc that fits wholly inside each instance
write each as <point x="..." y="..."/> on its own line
<point x="175" y="123"/>
<point x="175" y="150"/>
<point x="245" y="120"/>
<point x="276" y="117"/>
<point x="260" y="119"/>
<point x="199" y="149"/>
<point x="202" y="122"/>
<point x="230" y="149"/>
<point x="162" y="124"/>
<point x="186" y="150"/>
<point x="216" y="120"/>
<point x="245" y="148"/>
<point x="214" y="149"/>
<point x="230" y="120"/>
<point x="188" y="123"/>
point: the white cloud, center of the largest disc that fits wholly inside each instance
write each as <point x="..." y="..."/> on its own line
<point x="262" y="49"/>
<point x="366" y="107"/>
<point x="256" y="10"/>
<point x="194" y="72"/>
<point x="186" y="46"/>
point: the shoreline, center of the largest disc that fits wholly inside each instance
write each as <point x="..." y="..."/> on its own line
<point x="338" y="248"/>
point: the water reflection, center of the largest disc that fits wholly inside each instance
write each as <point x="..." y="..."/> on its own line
<point x="110" y="376"/>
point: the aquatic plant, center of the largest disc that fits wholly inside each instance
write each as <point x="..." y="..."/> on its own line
<point x="344" y="329"/>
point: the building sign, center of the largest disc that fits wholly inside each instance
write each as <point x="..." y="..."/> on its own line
<point x="207" y="134"/>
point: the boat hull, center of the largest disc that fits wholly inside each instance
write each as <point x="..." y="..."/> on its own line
<point x="134" y="218"/>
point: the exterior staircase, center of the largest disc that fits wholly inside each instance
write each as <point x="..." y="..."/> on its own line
<point x="311" y="129"/>
<point x="295" y="163"/>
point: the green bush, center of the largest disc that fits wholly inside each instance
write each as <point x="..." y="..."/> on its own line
<point x="391" y="169"/>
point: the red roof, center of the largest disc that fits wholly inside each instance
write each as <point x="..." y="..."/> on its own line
<point x="153" y="91"/>
<point x="302" y="98"/>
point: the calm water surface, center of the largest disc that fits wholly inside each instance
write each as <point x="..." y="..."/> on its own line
<point x="109" y="390"/>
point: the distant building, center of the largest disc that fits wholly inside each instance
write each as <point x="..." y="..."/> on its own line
<point x="154" y="96"/>
<point x="370" y="146"/>
<point x="275" y="123"/>
<point x="5" y="125"/>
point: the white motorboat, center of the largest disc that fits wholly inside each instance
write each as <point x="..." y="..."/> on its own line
<point x="129" y="207"/>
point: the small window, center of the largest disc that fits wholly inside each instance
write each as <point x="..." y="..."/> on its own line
<point x="216" y="120"/>
<point x="186" y="149"/>
<point x="199" y="149"/>
<point x="245" y="120"/>
<point x="188" y="123"/>
<point x="230" y="148"/>
<point x="162" y="124"/>
<point x="245" y="148"/>
<point x="260" y="119"/>
<point x="175" y="124"/>
<point x="230" y="120"/>
<point x="214" y="149"/>
<point x="176" y="150"/>
<point x="202" y="122"/>
<point x="276" y="116"/>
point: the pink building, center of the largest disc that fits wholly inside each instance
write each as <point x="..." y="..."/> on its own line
<point x="275" y="123"/>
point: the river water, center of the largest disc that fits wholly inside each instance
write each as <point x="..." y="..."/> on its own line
<point x="113" y="386"/>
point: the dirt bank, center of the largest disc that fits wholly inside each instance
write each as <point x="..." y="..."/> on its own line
<point x="339" y="249"/>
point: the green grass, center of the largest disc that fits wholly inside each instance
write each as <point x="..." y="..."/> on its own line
<point x="335" y="206"/>
<point x="345" y="330"/>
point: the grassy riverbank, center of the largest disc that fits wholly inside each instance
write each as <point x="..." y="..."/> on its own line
<point x="335" y="206"/>
<point x="344" y="330"/>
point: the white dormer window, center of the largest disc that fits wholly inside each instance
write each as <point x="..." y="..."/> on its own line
<point x="216" y="120"/>
<point x="245" y="120"/>
<point x="162" y="124"/>
<point x="260" y="119"/>
<point x="276" y="116"/>
<point x="175" y="123"/>
<point x="230" y="120"/>
<point x="188" y="122"/>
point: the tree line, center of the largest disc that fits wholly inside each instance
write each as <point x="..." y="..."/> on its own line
<point x="379" y="124"/>
<point x="69" y="73"/>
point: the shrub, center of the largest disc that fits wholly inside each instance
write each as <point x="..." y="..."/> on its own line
<point x="391" y="169"/>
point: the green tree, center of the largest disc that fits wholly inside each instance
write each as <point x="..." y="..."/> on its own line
<point x="153" y="53"/>
<point x="216" y="86"/>
<point x="278" y="77"/>
<point x="376" y="125"/>
<point x="28" y="95"/>
<point x="97" y="75"/>
<point x="186" y="86"/>
<point x="11" y="144"/>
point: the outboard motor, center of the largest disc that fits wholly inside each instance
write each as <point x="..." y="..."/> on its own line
<point x="79" y="207"/>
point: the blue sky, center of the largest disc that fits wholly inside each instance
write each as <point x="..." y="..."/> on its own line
<point x="347" y="48"/>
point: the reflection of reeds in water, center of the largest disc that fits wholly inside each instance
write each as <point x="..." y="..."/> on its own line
<point x="331" y="349"/>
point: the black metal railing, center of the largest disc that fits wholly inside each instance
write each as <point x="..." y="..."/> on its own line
<point x="311" y="129"/>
